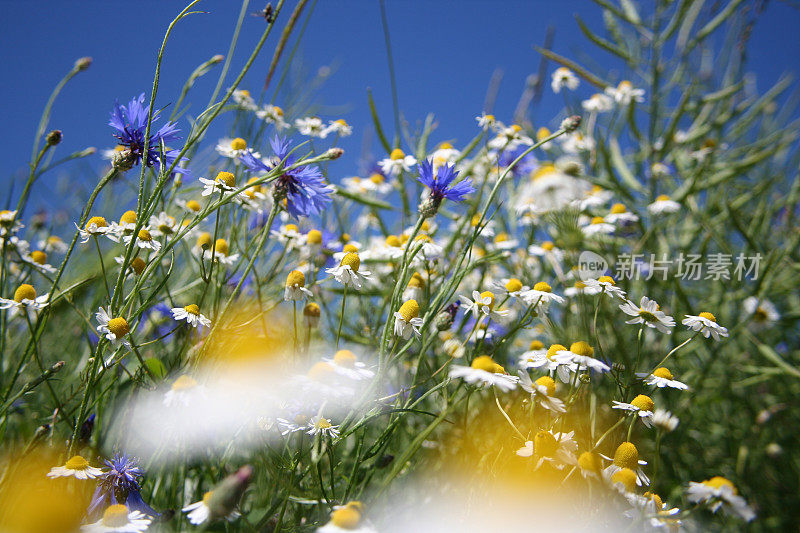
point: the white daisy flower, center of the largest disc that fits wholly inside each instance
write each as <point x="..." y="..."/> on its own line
<point x="485" y="120"/>
<point x="598" y="226"/>
<point x="220" y="252"/>
<point x="321" y="425"/>
<point x="396" y="163"/>
<point x="272" y="114"/>
<point x="94" y="226"/>
<point x="407" y="321"/>
<point x="191" y="314"/>
<point x="541" y="295"/>
<point x="509" y="138"/>
<point x="559" y="449"/>
<point x="762" y="312"/>
<point x="311" y="127"/>
<point x="662" y="377"/>
<point x="114" y="329"/>
<point x="598" y="103"/>
<point x="76" y="467"/>
<point x="428" y="250"/>
<point x="546" y="249"/>
<point x="620" y="214"/>
<point x="192" y="207"/>
<point x="542" y="391"/>
<point x="348" y="272"/>
<point x="564" y="77"/>
<point x="483" y="303"/>
<point x="580" y="287"/>
<point x="340" y="127"/>
<point x="144" y="240"/>
<point x="605" y="285"/>
<point x="24" y="300"/>
<point x="242" y="98"/>
<point x="199" y="512"/>
<point x="6" y="219"/>
<point x="295" y="288"/>
<point x="665" y="420"/>
<point x="444" y="154"/>
<point x="663" y="206"/>
<point x="576" y="142"/>
<point x="626" y="456"/>
<point x="224" y="182"/>
<point x="625" y="93"/>
<point x="484" y="371"/>
<point x="38" y="260"/>
<point x="118" y="519"/>
<point x="503" y="242"/>
<point x="345" y="363"/>
<point x="720" y="492"/>
<point x="705" y="323"/>
<point x="347" y="519"/>
<point x="580" y="354"/>
<point x="162" y="225"/>
<point x="184" y="391"/>
<point x="648" y="313"/>
<point x="53" y="243"/>
<point x="595" y="197"/>
<point x="233" y="148"/>
<point x="512" y="287"/>
<point x="642" y="406"/>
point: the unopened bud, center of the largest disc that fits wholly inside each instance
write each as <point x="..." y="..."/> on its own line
<point x="123" y="160"/>
<point x="226" y="495"/>
<point x="444" y="320"/>
<point x="83" y="63"/>
<point x="219" y="58"/>
<point x="571" y="124"/>
<point x="585" y="378"/>
<point x="430" y="207"/>
<point x="334" y="153"/>
<point x="54" y="137"/>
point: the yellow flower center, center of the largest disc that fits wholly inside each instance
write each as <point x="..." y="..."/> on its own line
<point x="296" y="279"/>
<point x="475" y="221"/>
<point x="409" y="310"/>
<point x="554" y="349"/>
<point x="341" y="122"/>
<point x="597" y="220"/>
<point x="548" y="246"/>
<point x="542" y="133"/>
<point x="542" y="171"/>
<point x="396" y="154"/>
<point x="501" y="237"/>
<point x="580" y="285"/>
<point x="349" y="247"/>
<point x="616" y="209"/>
<point x="490" y="295"/>
<point x="346" y="518"/>
<point x="277" y="110"/>
<point x="627" y="477"/>
<point x="314" y="236"/>
<point x="204" y="241"/>
<point x="24" y="292"/>
<point x="707" y="316"/>
<point x="717" y="482"/>
<point x="625" y="85"/>
<point x="128" y="217"/>
<point x="207" y="497"/>
<point x="542" y="287"/>
<point x="662" y="198"/>
<point x="320" y="371"/>
<point x="513" y="285"/>
<point x="663" y="373"/>
<point x="393" y="241"/>
<point x="99" y="222"/>
<point x="376" y="178"/>
<point x="192" y="309"/>
<point x="323" y="423"/>
<point x="626" y="456"/>
<point x="549" y="383"/>
<point x="416" y="281"/>
<point x="484" y="362"/>
<point x="238" y="144"/>
<point x="221" y="246"/>
<point x="193" y="205"/>
<point x="536" y="345"/>
<point x="581" y="348"/>
<point x="647" y="316"/>
<point x="116" y="516"/>
<point x="345" y="358"/>
<point x="516" y="128"/>
<point x="545" y="444"/>
<point x="144" y="235"/>
<point x="226" y="178"/>
<point x="184" y="382"/>
<point x="77" y="463"/>
<point x="119" y="327"/>
<point x="590" y="462"/>
<point x="644" y="403"/>
<point x="351" y="260"/>
<point x="659" y="503"/>
<point x="311" y="309"/>
<point x="138" y="265"/>
<point x="606" y="279"/>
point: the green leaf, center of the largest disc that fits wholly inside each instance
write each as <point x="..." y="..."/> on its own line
<point x="156" y="367"/>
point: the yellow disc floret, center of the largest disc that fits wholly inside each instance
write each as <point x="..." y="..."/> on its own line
<point x="116" y="516"/>
<point x="490" y="296"/>
<point x="119" y="327"/>
<point x="409" y="310"/>
<point x="98" y="222"/>
<point x="553" y="350"/>
<point x="545" y="444"/>
<point x="221" y="246"/>
<point x="644" y="403"/>
<point x="351" y="260"/>
<point x="296" y="279"/>
<point x="708" y="316"/>
<point x="192" y="309"/>
<point x="590" y="462"/>
<point x="24" y="292"/>
<point x="226" y="178"/>
<point x="396" y="154"/>
<point x="346" y="517"/>
<point x="627" y="477"/>
<point x="77" y="463"/>
<point x="345" y="358"/>
<point x="548" y="383"/>
<point x="193" y="205"/>
<point x="513" y="285"/>
<point x="238" y="144"/>
<point x="314" y="236"/>
<point x="484" y="362"/>
<point x="581" y="348"/>
<point x="543" y="286"/>
<point x="626" y="456"/>
<point x="663" y="373"/>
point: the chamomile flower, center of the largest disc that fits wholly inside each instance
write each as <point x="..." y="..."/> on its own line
<point x="542" y="391"/>
<point x="233" y="148"/>
<point x="311" y="314"/>
<point x="224" y="182"/>
<point x="191" y="314"/>
<point x="347" y="519"/>
<point x="591" y="464"/>
<point x="199" y="512"/>
<point x="580" y="287"/>
<point x="428" y="250"/>
<point x="115" y="329"/>
<point x="183" y="391"/>
<point x="626" y="456"/>
<point x="311" y="127"/>
<point x="220" y="253"/>
<point x="162" y="225"/>
<point x="502" y="241"/>
<point x="295" y="288"/>
<point x="720" y="492"/>
<point x="242" y="98"/>
<point x="95" y="226"/>
<point x="6" y="219"/>
<point x="53" y="243"/>
<point x="407" y="321"/>
<point x="345" y="363"/>
<point x="38" y="260"/>
<point x="541" y="295"/>
<point x="485" y="120"/>
<point x="349" y="271"/>
<point x="605" y="285"/>
<point x="190" y="206"/>
<point x="625" y="93"/>
<point x="484" y="371"/>
<point x="272" y="114"/>
<point x="24" y="300"/>
<point x="340" y="127"/>
<point x="664" y="420"/>
<point x="619" y="214"/>
<point x="706" y="324"/>
<point x="546" y="249"/>
<point x="648" y="313"/>
<point x="319" y="425"/>
<point x="564" y="77"/>
<point x="594" y="198"/>
<point x="662" y="377"/>
<point x="76" y="467"/>
<point x="762" y="313"/>
<point x="396" y="163"/>
<point x="642" y="406"/>
<point x="598" y="226"/>
<point x="512" y="287"/>
<point x="144" y="240"/>
<point x="580" y="354"/>
<point x="415" y="290"/>
<point x="118" y="518"/>
<point x="559" y="449"/>
<point x="287" y="233"/>
<point x="598" y="103"/>
<point x="663" y="205"/>
<point x="482" y="303"/>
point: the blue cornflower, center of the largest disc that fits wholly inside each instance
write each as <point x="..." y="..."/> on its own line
<point x="120" y="485"/>
<point x="303" y="187"/>
<point x="130" y="123"/>
<point x="439" y="183"/>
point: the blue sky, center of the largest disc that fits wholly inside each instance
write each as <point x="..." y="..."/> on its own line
<point x="445" y="53"/>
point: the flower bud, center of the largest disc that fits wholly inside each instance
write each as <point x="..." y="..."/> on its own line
<point x="83" y="63"/>
<point x="54" y="137"/>
<point x="571" y="124"/>
<point x="226" y="495"/>
<point x="334" y="153"/>
<point x="123" y="160"/>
